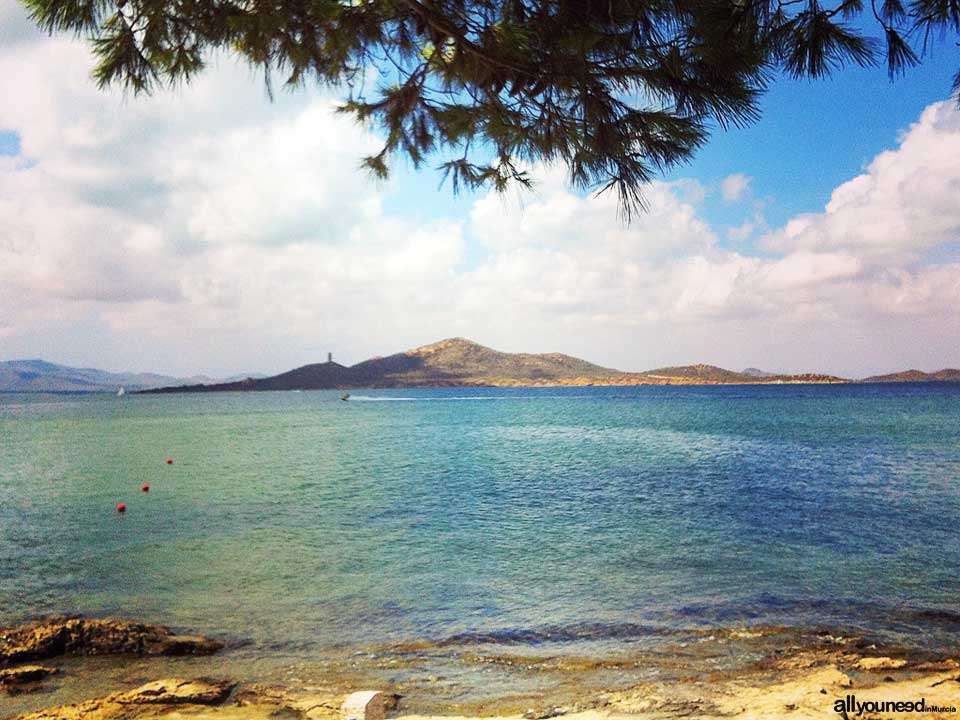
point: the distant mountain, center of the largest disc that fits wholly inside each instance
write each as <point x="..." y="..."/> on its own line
<point x="757" y="373"/>
<point x="455" y="362"/>
<point x="458" y="362"/>
<point x="308" y="377"/>
<point x="946" y="375"/>
<point x="700" y="374"/>
<point x="234" y="378"/>
<point x="42" y="376"/>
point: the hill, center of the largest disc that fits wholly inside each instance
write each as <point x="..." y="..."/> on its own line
<point x="43" y="376"/>
<point x="457" y="362"/>
<point x="308" y="377"/>
<point x="946" y="375"/>
<point x="700" y="374"/>
<point x="757" y="373"/>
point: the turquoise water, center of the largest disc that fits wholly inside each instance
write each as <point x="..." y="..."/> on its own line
<point x="581" y="519"/>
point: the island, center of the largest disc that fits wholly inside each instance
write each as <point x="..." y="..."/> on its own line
<point x="458" y="362"/>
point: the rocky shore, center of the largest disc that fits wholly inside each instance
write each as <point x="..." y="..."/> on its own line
<point x="63" y="635"/>
<point x="21" y="647"/>
<point x="792" y="681"/>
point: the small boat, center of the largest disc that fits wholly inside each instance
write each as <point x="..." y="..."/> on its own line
<point x="345" y="396"/>
<point x="121" y="392"/>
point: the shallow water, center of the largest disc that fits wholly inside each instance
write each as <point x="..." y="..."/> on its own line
<point x="314" y="533"/>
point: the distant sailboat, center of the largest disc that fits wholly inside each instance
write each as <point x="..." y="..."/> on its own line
<point x="121" y="392"/>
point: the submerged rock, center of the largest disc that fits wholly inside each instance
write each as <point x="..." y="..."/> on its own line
<point x="25" y="674"/>
<point x="144" y="700"/>
<point x="312" y="704"/>
<point x="60" y="635"/>
<point x="308" y="703"/>
<point x="24" y="679"/>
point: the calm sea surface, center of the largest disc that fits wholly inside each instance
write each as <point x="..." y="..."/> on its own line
<point x="579" y="520"/>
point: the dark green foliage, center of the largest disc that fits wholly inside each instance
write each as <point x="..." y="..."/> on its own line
<point x="615" y="90"/>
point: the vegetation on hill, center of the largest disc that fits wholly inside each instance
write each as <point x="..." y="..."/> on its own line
<point x="946" y="375"/>
<point x="461" y="361"/>
<point x="705" y="373"/>
<point x="457" y="362"/>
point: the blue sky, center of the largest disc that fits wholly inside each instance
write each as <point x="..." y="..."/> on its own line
<point x="207" y="230"/>
<point x="815" y="134"/>
<point x="812" y="136"/>
<point x="9" y="143"/>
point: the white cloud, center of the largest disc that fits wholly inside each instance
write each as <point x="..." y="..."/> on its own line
<point x="210" y="230"/>
<point x="742" y="231"/>
<point x="734" y="187"/>
<point x="905" y="202"/>
<point x="557" y="219"/>
<point x="286" y="182"/>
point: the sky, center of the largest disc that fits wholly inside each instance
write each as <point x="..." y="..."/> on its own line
<point x="209" y="230"/>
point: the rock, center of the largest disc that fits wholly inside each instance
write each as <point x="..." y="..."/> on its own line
<point x="59" y="635"/>
<point x="183" y="645"/>
<point x="391" y="701"/>
<point x="553" y="712"/>
<point x="176" y="692"/>
<point x="143" y="700"/>
<point x="938" y="665"/>
<point x="363" y="705"/>
<point x="24" y="679"/>
<point x="309" y="703"/>
<point x="25" y="674"/>
<point x="880" y="663"/>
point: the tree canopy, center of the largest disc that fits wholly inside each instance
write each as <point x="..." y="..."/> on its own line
<point x="615" y="90"/>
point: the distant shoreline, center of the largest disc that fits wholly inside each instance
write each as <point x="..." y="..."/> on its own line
<point x="454" y="362"/>
<point x="214" y="389"/>
<point x="518" y="385"/>
<point x="188" y="389"/>
<point x="458" y="362"/>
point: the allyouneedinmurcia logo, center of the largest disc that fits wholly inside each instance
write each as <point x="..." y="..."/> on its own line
<point x="851" y="707"/>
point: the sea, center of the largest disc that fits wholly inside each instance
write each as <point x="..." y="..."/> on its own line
<point x="484" y="548"/>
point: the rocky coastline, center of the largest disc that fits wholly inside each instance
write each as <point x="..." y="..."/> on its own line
<point x="63" y="635"/>
<point x="798" y="681"/>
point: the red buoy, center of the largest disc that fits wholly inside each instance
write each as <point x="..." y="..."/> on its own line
<point x="145" y="487"/>
<point x="169" y="461"/>
<point x="121" y="508"/>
